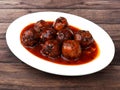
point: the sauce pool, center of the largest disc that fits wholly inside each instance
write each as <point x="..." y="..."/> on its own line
<point x="88" y="54"/>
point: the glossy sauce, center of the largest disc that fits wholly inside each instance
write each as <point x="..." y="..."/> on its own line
<point x="88" y="54"/>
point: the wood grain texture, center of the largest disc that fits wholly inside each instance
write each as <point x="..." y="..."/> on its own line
<point x="97" y="16"/>
<point x="35" y="79"/>
<point x="81" y="4"/>
<point x="16" y="75"/>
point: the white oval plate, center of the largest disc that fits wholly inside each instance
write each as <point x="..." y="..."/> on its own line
<point x="103" y="40"/>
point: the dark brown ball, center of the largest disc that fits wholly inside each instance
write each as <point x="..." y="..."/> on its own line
<point x="30" y="37"/>
<point x="71" y="49"/>
<point x="51" y="49"/>
<point x="60" y="23"/>
<point x="39" y="25"/>
<point x="47" y="34"/>
<point x="64" y="34"/>
<point x="84" y="38"/>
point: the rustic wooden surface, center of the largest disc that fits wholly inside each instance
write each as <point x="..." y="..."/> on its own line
<point x="15" y="75"/>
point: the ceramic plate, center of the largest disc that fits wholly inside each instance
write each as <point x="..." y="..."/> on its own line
<point x="103" y="40"/>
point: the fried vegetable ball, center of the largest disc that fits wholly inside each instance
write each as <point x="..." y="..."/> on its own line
<point x="71" y="49"/>
<point x="39" y="25"/>
<point x="51" y="49"/>
<point x="60" y="23"/>
<point x="47" y="34"/>
<point x="30" y="37"/>
<point x="64" y="34"/>
<point x="84" y="38"/>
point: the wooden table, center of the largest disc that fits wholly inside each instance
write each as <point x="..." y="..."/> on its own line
<point x="16" y="75"/>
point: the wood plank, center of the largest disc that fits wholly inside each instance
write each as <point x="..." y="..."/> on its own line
<point x="83" y="4"/>
<point x="6" y="56"/>
<point x="17" y="76"/>
<point x="97" y="16"/>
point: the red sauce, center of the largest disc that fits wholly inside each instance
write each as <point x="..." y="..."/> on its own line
<point x="87" y="55"/>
